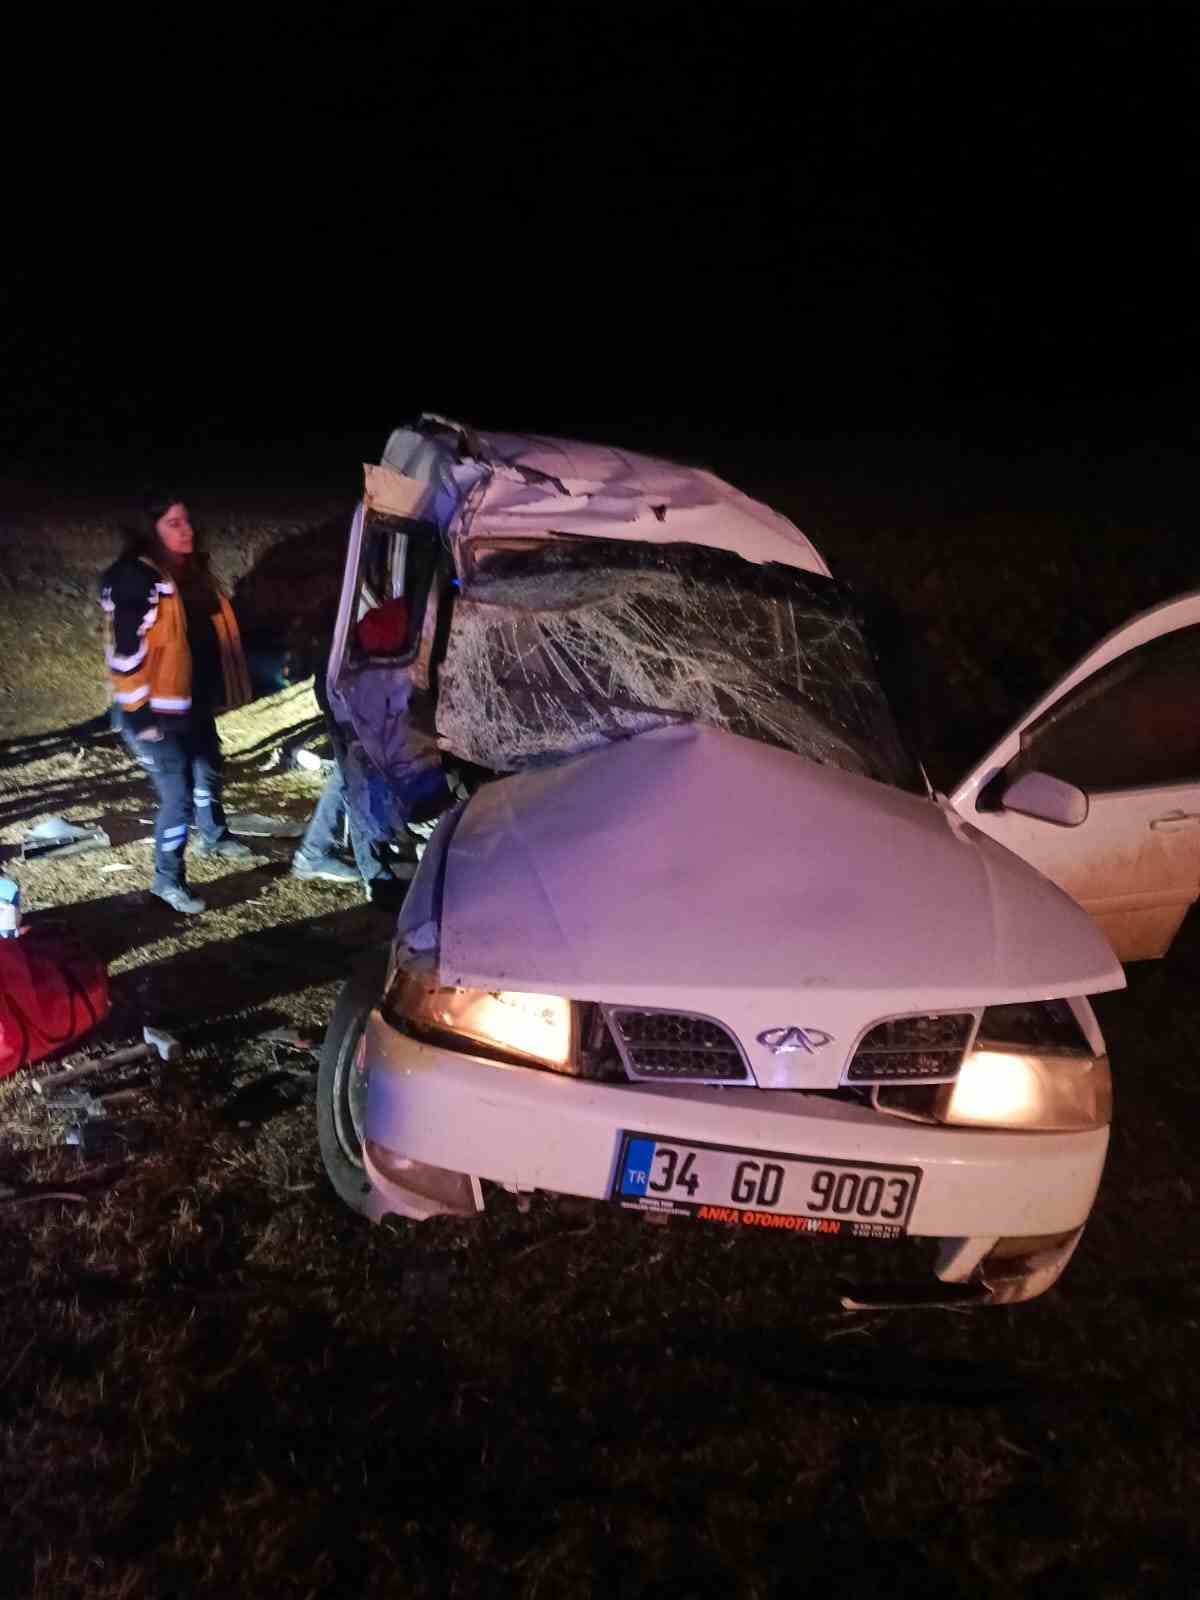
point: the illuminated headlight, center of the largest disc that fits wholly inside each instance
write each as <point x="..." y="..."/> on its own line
<point x="1005" y="1089"/>
<point x="508" y="1023"/>
<point x="1036" y="1065"/>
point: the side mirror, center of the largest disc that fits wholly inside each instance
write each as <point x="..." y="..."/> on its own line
<point x="1037" y="794"/>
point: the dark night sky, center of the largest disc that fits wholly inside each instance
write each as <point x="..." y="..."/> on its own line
<point x="677" y="220"/>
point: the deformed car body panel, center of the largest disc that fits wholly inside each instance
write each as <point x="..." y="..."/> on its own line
<point x="655" y="593"/>
<point x="483" y="485"/>
<point x="693" y="869"/>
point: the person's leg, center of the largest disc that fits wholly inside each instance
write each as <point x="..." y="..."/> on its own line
<point x="321" y="835"/>
<point x="365" y="858"/>
<point x="207" y="767"/>
<point x="315" y="857"/>
<point x="369" y="866"/>
<point x="373" y="816"/>
<point x="165" y="762"/>
<point x="207" y="775"/>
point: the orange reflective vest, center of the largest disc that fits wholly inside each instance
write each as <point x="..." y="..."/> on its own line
<point x="149" y="662"/>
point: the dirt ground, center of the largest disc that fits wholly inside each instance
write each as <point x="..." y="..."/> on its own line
<point x="214" y="1380"/>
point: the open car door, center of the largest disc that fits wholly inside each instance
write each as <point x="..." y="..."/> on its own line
<point x="1098" y="787"/>
<point x="394" y="590"/>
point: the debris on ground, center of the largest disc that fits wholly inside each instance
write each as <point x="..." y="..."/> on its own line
<point x="106" y="1139"/>
<point x="292" y="1039"/>
<point x="156" y="1044"/>
<point x="309" y="761"/>
<point x="10" y="1196"/>
<point x="96" y="1125"/>
<point x="260" y="827"/>
<point x="58" y="837"/>
<point x="10" y="908"/>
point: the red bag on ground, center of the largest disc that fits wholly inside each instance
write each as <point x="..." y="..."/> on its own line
<point x="52" y="992"/>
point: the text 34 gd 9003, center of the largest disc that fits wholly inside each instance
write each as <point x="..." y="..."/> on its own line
<point x="765" y="1189"/>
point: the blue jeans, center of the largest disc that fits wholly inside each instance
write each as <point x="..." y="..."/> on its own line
<point x="324" y="829"/>
<point x="185" y="769"/>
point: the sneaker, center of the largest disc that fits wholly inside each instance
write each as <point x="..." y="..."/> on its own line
<point x="228" y="848"/>
<point x="180" y="898"/>
<point x="327" y="867"/>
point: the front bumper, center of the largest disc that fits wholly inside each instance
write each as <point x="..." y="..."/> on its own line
<point x="529" y="1129"/>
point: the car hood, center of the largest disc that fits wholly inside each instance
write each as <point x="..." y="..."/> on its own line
<point x="692" y="869"/>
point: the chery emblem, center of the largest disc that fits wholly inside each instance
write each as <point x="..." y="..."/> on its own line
<point x="786" y="1041"/>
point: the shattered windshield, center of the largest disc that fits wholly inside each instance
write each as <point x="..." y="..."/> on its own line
<point x="558" y="645"/>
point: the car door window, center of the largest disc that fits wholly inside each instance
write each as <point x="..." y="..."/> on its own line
<point x="1133" y="724"/>
<point x="396" y="568"/>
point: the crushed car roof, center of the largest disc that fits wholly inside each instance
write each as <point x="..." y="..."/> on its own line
<point x="505" y="485"/>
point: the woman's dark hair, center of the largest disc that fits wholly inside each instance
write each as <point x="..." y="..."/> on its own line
<point x="141" y="531"/>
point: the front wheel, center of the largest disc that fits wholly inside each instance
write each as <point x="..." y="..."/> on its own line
<point x="342" y="1084"/>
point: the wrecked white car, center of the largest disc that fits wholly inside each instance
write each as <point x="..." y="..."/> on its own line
<point x="703" y="943"/>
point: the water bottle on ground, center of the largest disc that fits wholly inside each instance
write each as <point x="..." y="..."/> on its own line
<point x="10" y="908"/>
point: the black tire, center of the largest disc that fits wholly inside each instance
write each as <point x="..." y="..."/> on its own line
<point x="341" y="1091"/>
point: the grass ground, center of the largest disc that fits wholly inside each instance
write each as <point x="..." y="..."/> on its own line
<point x="215" y="1381"/>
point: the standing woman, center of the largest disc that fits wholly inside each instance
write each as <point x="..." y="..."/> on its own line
<point x="175" y="659"/>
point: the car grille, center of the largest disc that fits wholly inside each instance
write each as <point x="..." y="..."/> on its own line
<point x="911" y="1049"/>
<point x="676" y="1045"/>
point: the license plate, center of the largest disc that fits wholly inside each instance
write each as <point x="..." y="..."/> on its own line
<point x="764" y="1189"/>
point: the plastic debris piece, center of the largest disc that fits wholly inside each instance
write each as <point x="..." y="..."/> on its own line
<point x="69" y="1099"/>
<point x="256" y="826"/>
<point x="55" y="828"/>
<point x="23" y="1197"/>
<point x="58" y="837"/>
<point x="104" y="1137"/>
<point x="293" y="1039"/>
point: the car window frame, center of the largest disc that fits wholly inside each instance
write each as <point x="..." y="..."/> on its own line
<point x="1097" y="685"/>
